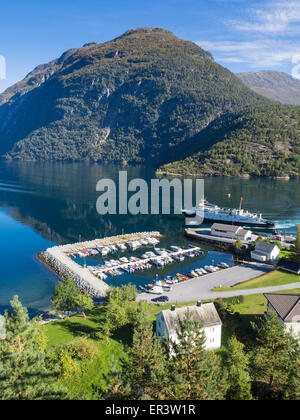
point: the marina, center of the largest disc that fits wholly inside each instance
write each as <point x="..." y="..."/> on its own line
<point x="166" y="266"/>
<point x="52" y="204"/>
<point x="134" y="264"/>
<point x="59" y="260"/>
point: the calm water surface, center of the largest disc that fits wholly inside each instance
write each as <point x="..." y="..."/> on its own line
<point x="42" y="204"/>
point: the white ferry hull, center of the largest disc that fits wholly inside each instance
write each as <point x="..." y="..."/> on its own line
<point x="199" y="220"/>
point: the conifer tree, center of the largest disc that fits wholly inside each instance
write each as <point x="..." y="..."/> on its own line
<point x="116" y="387"/>
<point x="24" y="373"/>
<point x="237" y="365"/>
<point x="196" y="373"/>
<point x="146" y="369"/>
<point x="276" y="355"/>
<point x="297" y="244"/>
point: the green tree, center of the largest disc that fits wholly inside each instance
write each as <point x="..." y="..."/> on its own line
<point x="24" y="370"/>
<point x="237" y="365"/>
<point x="120" y="308"/>
<point x="297" y="244"/>
<point x="195" y="372"/>
<point x="275" y="355"/>
<point x="146" y="372"/>
<point x="238" y="244"/>
<point x="67" y="297"/>
<point x="85" y="302"/>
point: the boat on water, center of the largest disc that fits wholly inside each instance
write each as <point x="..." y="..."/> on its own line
<point x="211" y="213"/>
<point x="178" y="257"/>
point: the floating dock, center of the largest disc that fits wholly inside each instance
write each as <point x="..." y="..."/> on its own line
<point x="158" y="258"/>
<point x="59" y="260"/>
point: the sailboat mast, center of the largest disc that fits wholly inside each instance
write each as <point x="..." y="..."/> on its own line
<point x="241" y="202"/>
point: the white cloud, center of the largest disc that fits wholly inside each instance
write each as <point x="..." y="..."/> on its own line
<point x="275" y="18"/>
<point x="266" y="36"/>
<point x="257" y="53"/>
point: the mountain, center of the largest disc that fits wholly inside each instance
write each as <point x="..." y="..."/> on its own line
<point x="135" y="98"/>
<point x="255" y="141"/>
<point x="147" y="97"/>
<point x="274" y="85"/>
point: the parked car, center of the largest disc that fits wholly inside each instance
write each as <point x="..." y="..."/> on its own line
<point x="160" y="299"/>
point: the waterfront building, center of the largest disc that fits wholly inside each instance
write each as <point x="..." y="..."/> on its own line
<point x="231" y="231"/>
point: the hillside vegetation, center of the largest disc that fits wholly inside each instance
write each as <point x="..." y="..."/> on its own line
<point x="136" y="99"/>
<point x="260" y="141"/>
<point x="148" y="97"/>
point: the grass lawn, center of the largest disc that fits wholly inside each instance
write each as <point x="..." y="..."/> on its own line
<point x="91" y="373"/>
<point x="275" y="278"/>
<point x="66" y="330"/>
<point x="290" y="255"/>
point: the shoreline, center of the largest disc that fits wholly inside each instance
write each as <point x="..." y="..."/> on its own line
<point x="244" y="176"/>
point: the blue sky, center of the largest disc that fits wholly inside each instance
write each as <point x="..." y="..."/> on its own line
<point x="242" y="35"/>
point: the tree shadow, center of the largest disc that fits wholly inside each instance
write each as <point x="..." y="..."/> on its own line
<point x="240" y="325"/>
<point x="124" y="334"/>
<point x="77" y="329"/>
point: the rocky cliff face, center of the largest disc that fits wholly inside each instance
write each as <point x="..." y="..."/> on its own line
<point x="274" y="85"/>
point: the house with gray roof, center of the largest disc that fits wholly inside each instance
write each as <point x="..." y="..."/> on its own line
<point x="168" y="322"/>
<point x="231" y="231"/>
<point x="265" y="251"/>
<point x="287" y="308"/>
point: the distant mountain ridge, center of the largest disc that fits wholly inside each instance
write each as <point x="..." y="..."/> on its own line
<point x="273" y="85"/>
<point x="147" y="97"/>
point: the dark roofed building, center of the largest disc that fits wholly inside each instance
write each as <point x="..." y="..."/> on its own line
<point x="265" y="251"/>
<point x="287" y="308"/>
<point x="288" y="265"/>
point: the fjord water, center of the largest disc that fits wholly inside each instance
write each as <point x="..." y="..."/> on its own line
<point x="42" y="204"/>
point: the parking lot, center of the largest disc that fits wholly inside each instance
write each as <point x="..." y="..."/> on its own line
<point x="200" y="287"/>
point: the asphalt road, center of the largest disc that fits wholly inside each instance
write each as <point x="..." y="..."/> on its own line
<point x="200" y="287"/>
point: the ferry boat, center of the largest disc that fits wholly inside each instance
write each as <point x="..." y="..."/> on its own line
<point x="211" y="213"/>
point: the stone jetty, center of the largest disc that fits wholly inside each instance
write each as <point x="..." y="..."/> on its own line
<point x="58" y="259"/>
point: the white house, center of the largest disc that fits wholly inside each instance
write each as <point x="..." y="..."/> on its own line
<point x="287" y="308"/>
<point x="231" y="231"/>
<point x="265" y="251"/>
<point x="167" y="322"/>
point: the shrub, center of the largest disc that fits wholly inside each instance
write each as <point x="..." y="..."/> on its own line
<point x="83" y="349"/>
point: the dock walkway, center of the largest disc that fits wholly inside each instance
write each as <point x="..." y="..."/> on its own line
<point x="147" y="260"/>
